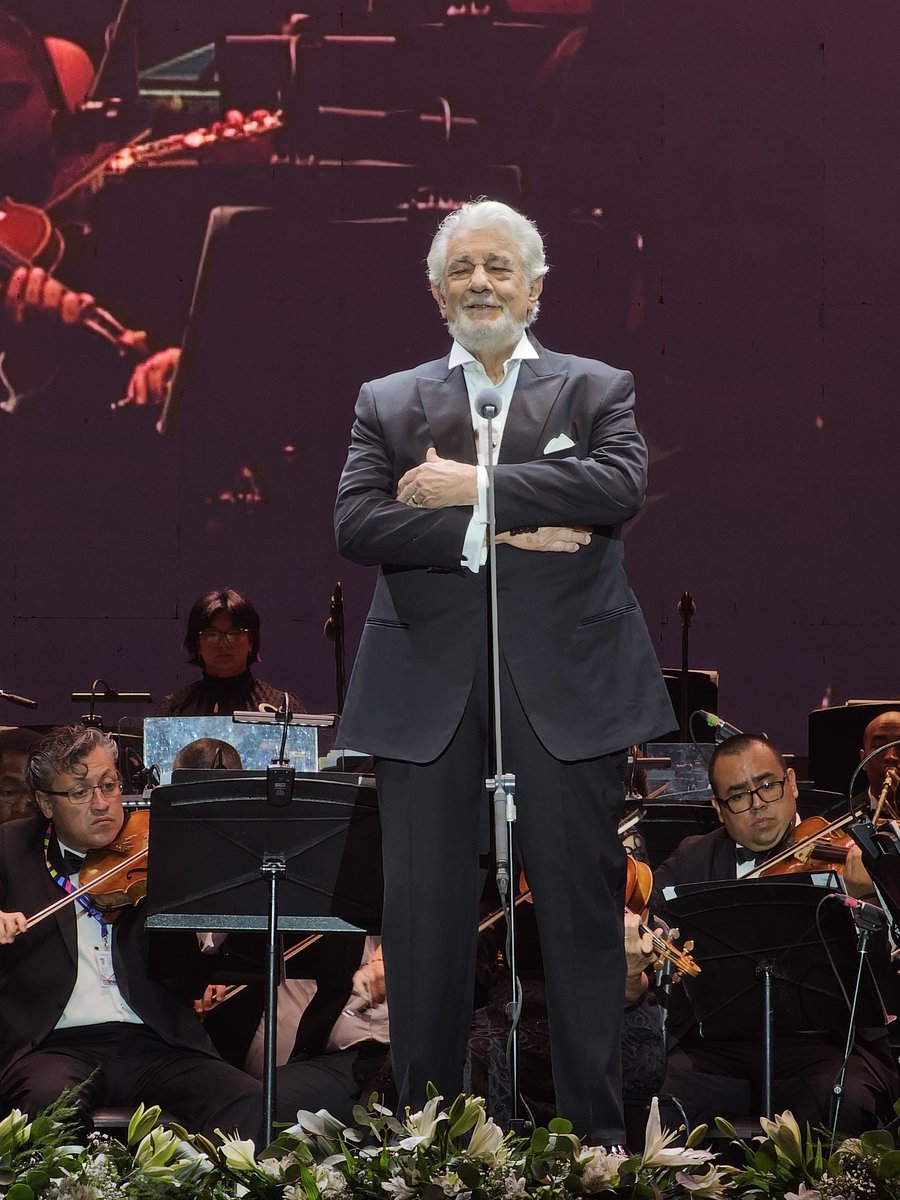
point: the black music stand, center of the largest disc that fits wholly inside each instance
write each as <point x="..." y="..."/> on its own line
<point x="881" y="858"/>
<point x="223" y="858"/>
<point x="764" y="962"/>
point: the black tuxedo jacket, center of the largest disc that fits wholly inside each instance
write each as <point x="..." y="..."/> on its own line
<point x="38" y="970"/>
<point x="701" y="858"/>
<point x="570" y="627"/>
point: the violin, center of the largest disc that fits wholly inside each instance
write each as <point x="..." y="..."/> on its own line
<point x="816" y="844"/>
<point x="115" y="876"/>
<point x="638" y="889"/>
<point x="28" y="238"/>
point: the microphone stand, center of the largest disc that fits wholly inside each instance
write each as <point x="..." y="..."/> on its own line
<point x="502" y="786"/>
<point x="867" y="923"/>
<point x="334" y="631"/>
<point x="686" y="610"/>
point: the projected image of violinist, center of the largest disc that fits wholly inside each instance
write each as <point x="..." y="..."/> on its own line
<point x="78" y="1000"/>
<point x="42" y="82"/>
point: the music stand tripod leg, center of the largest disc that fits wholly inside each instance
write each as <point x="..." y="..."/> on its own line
<point x="272" y="868"/>
<point x="768" y="1015"/>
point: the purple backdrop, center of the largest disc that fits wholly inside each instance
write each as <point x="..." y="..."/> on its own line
<point x="744" y="266"/>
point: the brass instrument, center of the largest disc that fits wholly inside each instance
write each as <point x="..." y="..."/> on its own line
<point x="891" y="780"/>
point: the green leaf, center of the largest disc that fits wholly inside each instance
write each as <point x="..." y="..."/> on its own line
<point x="888" y="1166"/>
<point x="20" y="1191"/>
<point x="41" y="1127"/>
<point x="469" y="1174"/>
<point x="877" y="1139"/>
<point x="540" y="1140"/>
<point x="560" y="1125"/>
<point x="361" y="1116"/>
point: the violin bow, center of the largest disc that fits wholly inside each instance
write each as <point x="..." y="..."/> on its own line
<point x="61" y="903"/>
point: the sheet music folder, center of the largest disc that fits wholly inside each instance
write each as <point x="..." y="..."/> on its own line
<point x="209" y="838"/>
<point x="737" y="926"/>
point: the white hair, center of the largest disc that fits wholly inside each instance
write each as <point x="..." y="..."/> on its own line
<point x="486" y="214"/>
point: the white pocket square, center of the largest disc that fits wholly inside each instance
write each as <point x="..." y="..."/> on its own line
<point x="560" y="442"/>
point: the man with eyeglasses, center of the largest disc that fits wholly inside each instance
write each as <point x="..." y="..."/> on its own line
<point x="755" y="798"/>
<point x="78" y="1005"/>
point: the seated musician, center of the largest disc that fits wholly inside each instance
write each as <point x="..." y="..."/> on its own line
<point x="884" y="768"/>
<point x="332" y="1033"/>
<point x="333" y="1030"/>
<point x="14" y="747"/>
<point x="78" y="1003"/>
<point x="755" y="798"/>
<point x="222" y="638"/>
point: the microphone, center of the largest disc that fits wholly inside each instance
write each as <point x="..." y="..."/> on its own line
<point x="860" y="908"/>
<point x="488" y="403"/>
<point x="724" y="729"/>
<point x="21" y="700"/>
<point x="334" y="625"/>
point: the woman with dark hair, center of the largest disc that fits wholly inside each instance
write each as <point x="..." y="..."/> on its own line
<point x="222" y="639"/>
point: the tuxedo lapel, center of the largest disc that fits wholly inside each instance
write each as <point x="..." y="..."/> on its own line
<point x="725" y="858"/>
<point x="64" y="917"/>
<point x="446" y="405"/>
<point x="532" y="403"/>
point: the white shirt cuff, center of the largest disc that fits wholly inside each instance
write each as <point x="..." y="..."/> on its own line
<point x="474" y="553"/>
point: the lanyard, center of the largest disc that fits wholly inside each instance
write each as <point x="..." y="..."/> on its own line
<point x="62" y="881"/>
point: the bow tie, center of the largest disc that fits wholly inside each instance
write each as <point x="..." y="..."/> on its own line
<point x="71" y="862"/>
<point x="743" y="855"/>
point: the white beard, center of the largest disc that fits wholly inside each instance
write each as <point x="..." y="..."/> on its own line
<point x="490" y="337"/>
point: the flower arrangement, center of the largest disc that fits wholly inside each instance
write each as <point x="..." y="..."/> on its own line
<point x="440" y="1152"/>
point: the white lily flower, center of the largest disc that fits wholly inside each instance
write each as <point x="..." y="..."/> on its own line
<point x="423" y="1125"/>
<point x="398" y="1188"/>
<point x="658" y="1148"/>
<point x="804" y="1193"/>
<point x="601" y="1168"/>
<point x="785" y="1133"/>
<point x="330" y="1183"/>
<point x="239" y="1155"/>
<point x="710" y="1185"/>
<point x="486" y="1140"/>
<point x="15" y="1130"/>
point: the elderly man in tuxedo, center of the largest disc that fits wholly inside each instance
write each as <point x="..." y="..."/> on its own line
<point x="78" y="1001"/>
<point x="579" y="679"/>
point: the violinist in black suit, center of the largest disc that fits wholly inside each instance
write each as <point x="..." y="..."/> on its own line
<point x="580" y="681"/>
<point x="755" y="797"/>
<point x="76" y="996"/>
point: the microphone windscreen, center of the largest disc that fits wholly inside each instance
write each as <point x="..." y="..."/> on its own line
<point x="488" y="398"/>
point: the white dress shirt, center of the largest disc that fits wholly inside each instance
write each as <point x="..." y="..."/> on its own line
<point x="477" y="379"/>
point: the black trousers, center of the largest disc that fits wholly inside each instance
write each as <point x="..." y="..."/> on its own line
<point x="723" y="1079"/>
<point x="129" y="1064"/>
<point x="435" y="819"/>
<point x="336" y="1081"/>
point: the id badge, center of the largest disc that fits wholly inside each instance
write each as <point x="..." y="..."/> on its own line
<point x="105" y="968"/>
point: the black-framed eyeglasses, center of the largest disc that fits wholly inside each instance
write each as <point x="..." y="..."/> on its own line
<point x="81" y="793"/>
<point x="218" y="636"/>
<point x="768" y="792"/>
